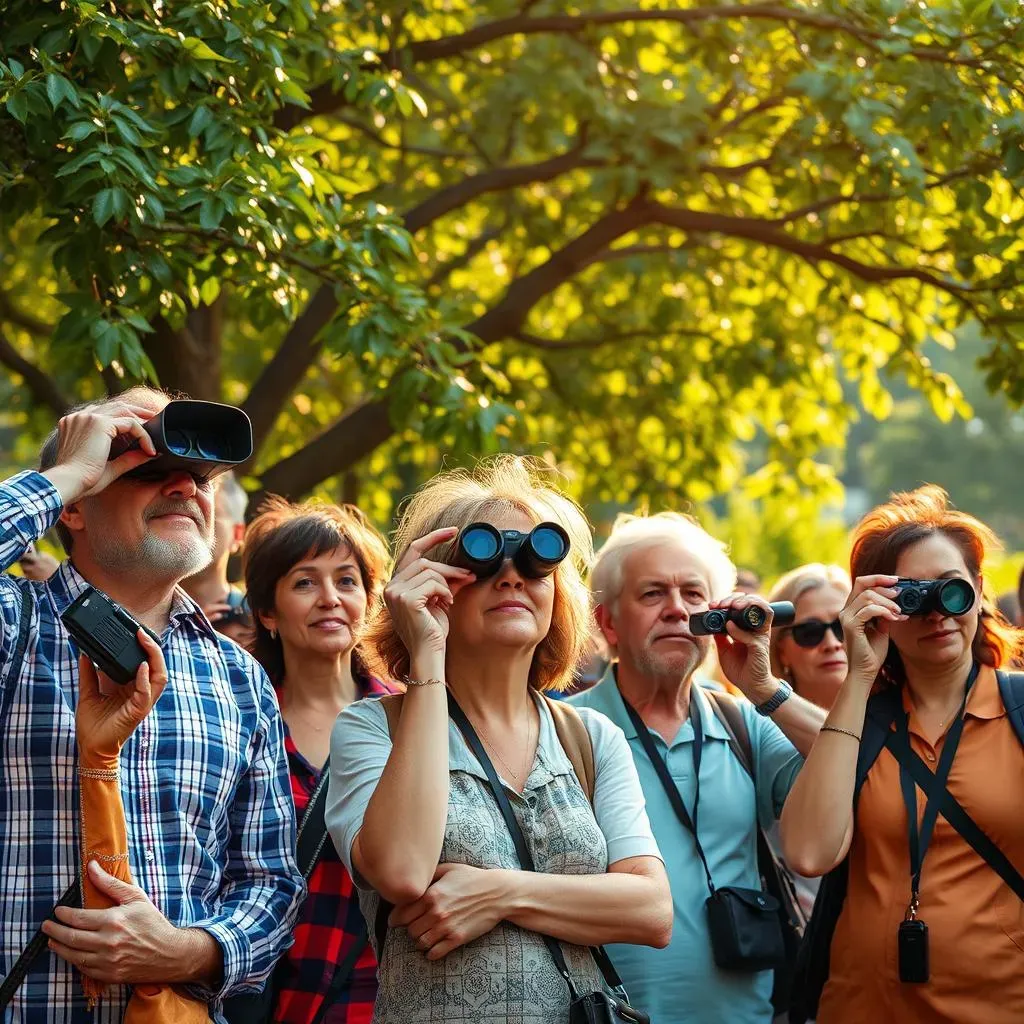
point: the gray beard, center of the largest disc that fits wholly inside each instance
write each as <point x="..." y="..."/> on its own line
<point x="681" y="664"/>
<point x="153" y="555"/>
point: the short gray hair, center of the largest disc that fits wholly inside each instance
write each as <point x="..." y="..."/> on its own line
<point x="632" y="533"/>
<point x="235" y="497"/>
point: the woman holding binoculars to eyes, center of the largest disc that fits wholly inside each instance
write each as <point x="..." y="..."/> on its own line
<point x="921" y="916"/>
<point x="487" y="608"/>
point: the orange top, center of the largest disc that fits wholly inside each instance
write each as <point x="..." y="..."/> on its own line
<point x="975" y="922"/>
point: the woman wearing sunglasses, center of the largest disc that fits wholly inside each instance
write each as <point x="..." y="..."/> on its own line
<point x="917" y="923"/>
<point x="487" y="608"/>
<point x="810" y="653"/>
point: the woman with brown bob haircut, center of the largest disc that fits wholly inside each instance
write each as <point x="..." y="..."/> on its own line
<point x="410" y="809"/>
<point x="313" y="573"/>
<point x="945" y="943"/>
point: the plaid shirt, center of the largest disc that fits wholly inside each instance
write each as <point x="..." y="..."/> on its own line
<point x="329" y="919"/>
<point x="204" y="784"/>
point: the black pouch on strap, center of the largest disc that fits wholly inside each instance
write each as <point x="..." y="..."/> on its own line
<point x="746" y="931"/>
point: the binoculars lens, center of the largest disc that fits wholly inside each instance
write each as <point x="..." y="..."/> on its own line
<point x="179" y="442"/>
<point x="480" y="543"/>
<point x="549" y="545"/>
<point x="957" y="596"/>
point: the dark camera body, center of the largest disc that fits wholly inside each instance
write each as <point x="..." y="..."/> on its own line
<point x="202" y="438"/>
<point x="913" y="952"/>
<point x="952" y="596"/>
<point x="107" y="634"/>
<point x="750" y="618"/>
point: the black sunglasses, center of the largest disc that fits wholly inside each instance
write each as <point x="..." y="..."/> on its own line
<point x="811" y="632"/>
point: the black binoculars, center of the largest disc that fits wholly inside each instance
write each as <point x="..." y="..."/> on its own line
<point x="954" y="596"/>
<point x="483" y="548"/>
<point x="202" y="438"/>
<point x="750" y="618"/>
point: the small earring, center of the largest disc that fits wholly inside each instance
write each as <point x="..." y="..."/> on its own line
<point x="273" y="634"/>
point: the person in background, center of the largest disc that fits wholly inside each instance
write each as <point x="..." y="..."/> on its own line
<point x="809" y="654"/>
<point x="312" y="573"/>
<point x="411" y="810"/>
<point x="930" y="673"/>
<point x="652" y="577"/>
<point x="223" y="604"/>
<point x="1009" y="607"/>
<point x="37" y="565"/>
<point x="747" y="582"/>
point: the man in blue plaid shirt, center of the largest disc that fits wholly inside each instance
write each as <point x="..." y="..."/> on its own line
<point x="204" y="779"/>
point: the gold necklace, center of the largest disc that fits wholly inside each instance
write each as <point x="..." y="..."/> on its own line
<point x="515" y="776"/>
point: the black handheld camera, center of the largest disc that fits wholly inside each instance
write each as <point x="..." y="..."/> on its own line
<point x="202" y="438"/>
<point x="106" y="634"/>
<point x="750" y="618"/>
<point x="953" y="596"/>
<point x="483" y="548"/>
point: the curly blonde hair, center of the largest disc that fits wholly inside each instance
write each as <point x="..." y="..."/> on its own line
<point x="496" y="487"/>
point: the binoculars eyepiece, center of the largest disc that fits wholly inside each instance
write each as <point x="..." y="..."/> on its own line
<point x="750" y="618"/>
<point x="202" y="438"/>
<point x="483" y="548"/>
<point x="952" y="596"/>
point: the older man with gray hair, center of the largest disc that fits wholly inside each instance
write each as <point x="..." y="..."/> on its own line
<point x="651" y="578"/>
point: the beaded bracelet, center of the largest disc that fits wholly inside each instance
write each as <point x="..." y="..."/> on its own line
<point x="424" y="682"/>
<point x="845" y="732"/>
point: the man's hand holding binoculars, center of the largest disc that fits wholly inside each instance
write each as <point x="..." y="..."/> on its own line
<point x="83" y="466"/>
<point x="743" y="652"/>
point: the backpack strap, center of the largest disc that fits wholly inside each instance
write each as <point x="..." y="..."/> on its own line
<point x="1011" y="689"/>
<point x="575" y="740"/>
<point x="727" y="711"/>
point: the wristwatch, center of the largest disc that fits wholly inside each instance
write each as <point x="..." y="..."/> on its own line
<point x="776" y="700"/>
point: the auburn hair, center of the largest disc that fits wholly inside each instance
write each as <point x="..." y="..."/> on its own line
<point x="281" y="536"/>
<point x="910" y="517"/>
<point x="496" y="487"/>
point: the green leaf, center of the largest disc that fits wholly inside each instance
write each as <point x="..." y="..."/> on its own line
<point x="103" y="206"/>
<point x="209" y="290"/>
<point x="127" y="131"/>
<point x="200" y="119"/>
<point x="17" y="105"/>
<point x="106" y="341"/>
<point x="201" y="51"/>
<point x="294" y="93"/>
<point x="211" y="213"/>
<point x="137" y="320"/>
<point x="81" y="130"/>
<point x="17" y="68"/>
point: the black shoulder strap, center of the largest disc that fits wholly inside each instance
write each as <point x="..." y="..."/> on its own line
<point x="9" y="672"/>
<point x="342" y="973"/>
<point x="882" y="710"/>
<point x="954" y="813"/>
<point x="312" y="834"/>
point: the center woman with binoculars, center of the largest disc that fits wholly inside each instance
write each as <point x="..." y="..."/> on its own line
<point x="911" y="797"/>
<point x="504" y="832"/>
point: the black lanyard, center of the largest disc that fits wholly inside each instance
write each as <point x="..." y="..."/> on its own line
<point x="671" y="791"/>
<point x="920" y="839"/>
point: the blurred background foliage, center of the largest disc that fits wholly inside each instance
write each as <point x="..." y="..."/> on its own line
<point x="759" y="260"/>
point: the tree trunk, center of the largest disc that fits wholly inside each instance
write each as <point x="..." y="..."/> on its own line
<point x="189" y="360"/>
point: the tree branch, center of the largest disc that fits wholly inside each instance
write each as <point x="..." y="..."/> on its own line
<point x="445" y="270"/>
<point x="296" y="353"/>
<point x="12" y="314"/>
<point x="341" y="445"/>
<point x="480" y="35"/>
<point x="498" y="179"/>
<point x="365" y="129"/>
<point x="43" y="387"/>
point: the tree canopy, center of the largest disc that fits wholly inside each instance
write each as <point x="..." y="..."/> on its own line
<point x="626" y="233"/>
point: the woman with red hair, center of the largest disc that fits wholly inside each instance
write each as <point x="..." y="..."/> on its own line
<point x="928" y="930"/>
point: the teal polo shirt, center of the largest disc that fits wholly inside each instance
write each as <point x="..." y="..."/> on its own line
<point x="681" y="984"/>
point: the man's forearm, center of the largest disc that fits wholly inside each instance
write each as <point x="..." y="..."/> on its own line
<point x="196" y="959"/>
<point x="799" y="719"/>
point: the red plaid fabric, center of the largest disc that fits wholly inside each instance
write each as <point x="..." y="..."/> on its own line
<point x="329" y="920"/>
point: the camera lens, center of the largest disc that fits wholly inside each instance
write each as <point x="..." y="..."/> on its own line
<point x="480" y="543"/>
<point x="956" y="597"/>
<point x="753" y="617"/>
<point x="909" y="600"/>
<point x="714" y="620"/>
<point x="549" y="544"/>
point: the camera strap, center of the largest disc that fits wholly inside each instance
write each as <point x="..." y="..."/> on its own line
<point x="601" y="958"/>
<point x="920" y="838"/>
<point x="661" y="769"/>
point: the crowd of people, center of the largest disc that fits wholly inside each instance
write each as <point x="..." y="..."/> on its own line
<point x="395" y="783"/>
